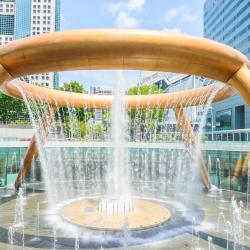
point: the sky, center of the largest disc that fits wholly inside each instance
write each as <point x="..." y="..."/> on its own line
<point x="167" y="15"/>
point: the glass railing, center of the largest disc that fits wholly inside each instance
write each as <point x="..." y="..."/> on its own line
<point x="239" y="135"/>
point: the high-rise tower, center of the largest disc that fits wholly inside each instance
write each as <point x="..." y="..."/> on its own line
<point x="23" y="18"/>
<point x="228" y="21"/>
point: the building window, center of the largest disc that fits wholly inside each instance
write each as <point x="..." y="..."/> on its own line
<point x="224" y="119"/>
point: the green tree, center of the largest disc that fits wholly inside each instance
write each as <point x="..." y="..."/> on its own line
<point x="12" y="110"/>
<point x="146" y="119"/>
<point x="98" y="131"/>
<point x="75" y="87"/>
<point x="83" y="129"/>
<point x="145" y="90"/>
<point x="106" y="119"/>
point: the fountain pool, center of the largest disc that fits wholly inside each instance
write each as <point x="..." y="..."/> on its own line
<point x="120" y="194"/>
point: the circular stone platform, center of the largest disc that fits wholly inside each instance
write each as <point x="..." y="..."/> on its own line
<point x="146" y="214"/>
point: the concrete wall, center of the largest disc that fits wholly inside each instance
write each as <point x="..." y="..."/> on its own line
<point x="21" y="133"/>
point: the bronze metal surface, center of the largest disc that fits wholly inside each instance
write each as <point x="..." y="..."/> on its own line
<point x="126" y="49"/>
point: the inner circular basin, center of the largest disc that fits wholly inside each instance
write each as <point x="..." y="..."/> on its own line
<point x="86" y="213"/>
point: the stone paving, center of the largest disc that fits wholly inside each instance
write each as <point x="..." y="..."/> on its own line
<point x="213" y="204"/>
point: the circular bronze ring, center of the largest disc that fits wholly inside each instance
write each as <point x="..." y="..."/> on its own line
<point x="123" y="49"/>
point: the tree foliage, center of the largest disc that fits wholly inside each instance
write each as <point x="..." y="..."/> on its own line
<point x="73" y="86"/>
<point x="144" y="90"/>
<point x="80" y="117"/>
<point x="147" y="120"/>
<point x="12" y="110"/>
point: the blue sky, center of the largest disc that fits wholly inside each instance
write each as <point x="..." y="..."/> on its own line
<point x="175" y="15"/>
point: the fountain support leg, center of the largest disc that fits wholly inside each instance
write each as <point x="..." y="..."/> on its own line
<point x="32" y="152"/>
<point x="189" y="140"/>
<point x="245" y="165"/>
<point x="238" y="166"/>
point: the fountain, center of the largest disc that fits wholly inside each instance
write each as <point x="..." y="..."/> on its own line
<point x="218" y="173"/>
<point x="11" y="238"/>
<point x="134" y="188"/>
<point x="77" y="243"/>
<point x="248" y="185"/>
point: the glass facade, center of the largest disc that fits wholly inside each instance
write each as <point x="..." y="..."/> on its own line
<point x="23" y="19"/>
<point x="56" y="80"/>
<point x="7" y="22"/>
<point x="224" y="119"/>
<point x="232" y="175"/>
<point x="228" y="22"/>
<point x="58" y="15"/>
<point x="10" y="159"/>
<point x="57" y="28"/>
<point x="140" y="159"/>
<point x="186" y="82"/>
<point x="7" y="25"/>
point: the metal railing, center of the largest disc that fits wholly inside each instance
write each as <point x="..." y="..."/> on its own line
<point x="237" y="135"/>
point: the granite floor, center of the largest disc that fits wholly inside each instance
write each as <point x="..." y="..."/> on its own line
<point x="42" y="237"/>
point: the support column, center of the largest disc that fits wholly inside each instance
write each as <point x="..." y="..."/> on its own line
<point x="240" y="81"/>
<point x="4" y="75"/>
<point x="32" y="152"/>
<point x="238" y="166"/>
<point x="189" y="140"/>
<point x="245" y="165"/>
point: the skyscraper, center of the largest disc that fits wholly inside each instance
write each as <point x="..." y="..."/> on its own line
<point x="7" y="21"/>
<point x="228" y="21"/>
<point x="23" y="18"/>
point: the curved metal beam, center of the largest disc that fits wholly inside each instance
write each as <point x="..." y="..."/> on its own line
<point x="124" y="49"/>
<point x="121" y="49"/>
<point x="179" y="99"/>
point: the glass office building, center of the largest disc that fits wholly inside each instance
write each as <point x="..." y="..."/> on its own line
<point x="172" y="82"/>
<point x="7" y="23"/>
<point x="228" y="21"/>
<point x="23" y="18"/>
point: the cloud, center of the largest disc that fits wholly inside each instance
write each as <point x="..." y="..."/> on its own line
<point x="125" y="21"/>
<point x="136" y="5"/>
<point x="130" y="5"/>
<point x="123" y="9"/>
<point x="173" y="13"/>
<point x="175" y="29"/>
<point x="182" y="13"/>
<point x="114" y="7"/>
